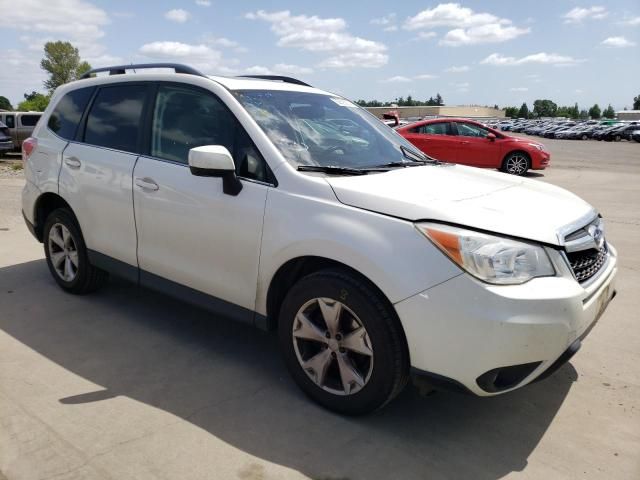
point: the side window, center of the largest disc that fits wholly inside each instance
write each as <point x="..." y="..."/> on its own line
<point x="115" y="117"/>
<point x="29" y="120"/>
<point x="440" y="128"/>
<point x="10" y="121"/>
<point x="469" y="130"/>
<point x="66" y="116"/>
<point x="185" y="118"/>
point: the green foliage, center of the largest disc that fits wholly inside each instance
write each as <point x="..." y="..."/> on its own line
<point x="524" y="111"/>
<point x="636" y="103"/>
<point x="570" y="112"/>
<point x="584" y="115"/>
<point x="609" y="112"/>
<point x="34" y="102"/>
<point x="544" y="108"/>
<point x="402" y="102"/>
<point x="62" y="62"/>
<point x="594" y="112"/>
<point x="511" y="112"/>
<point x="5" y="104"/>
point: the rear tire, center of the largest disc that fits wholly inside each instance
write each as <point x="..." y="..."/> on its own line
<point x="67" y="256"/>
<point x="354" y="361"/>
<point x="516" y="163"/>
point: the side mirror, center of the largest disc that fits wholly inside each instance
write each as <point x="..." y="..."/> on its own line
<point x="491" y="136"/>
<point x="215" y="161"/>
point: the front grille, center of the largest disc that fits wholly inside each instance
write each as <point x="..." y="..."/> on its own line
<point x="586" y="263"/>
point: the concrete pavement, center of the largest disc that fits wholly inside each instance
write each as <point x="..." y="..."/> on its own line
<point x="127" y="384"/>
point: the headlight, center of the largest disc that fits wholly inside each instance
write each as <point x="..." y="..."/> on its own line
<point x="536" y="145"/>
<point x="490" y="258"/>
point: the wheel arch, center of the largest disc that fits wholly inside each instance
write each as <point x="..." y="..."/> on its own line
<point x="296" y="268"/>
<point x="45" y="204"/>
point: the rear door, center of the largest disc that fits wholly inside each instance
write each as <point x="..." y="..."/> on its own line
<point x="436" y="139"/>
<point x="96" y="177"/>
<point x="475" y="148"/>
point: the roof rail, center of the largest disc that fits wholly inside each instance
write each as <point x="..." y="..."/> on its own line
<point x="121" y="69"/>
<point x="278" y="78"/>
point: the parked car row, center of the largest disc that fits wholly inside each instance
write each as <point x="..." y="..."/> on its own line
<point x="17" y="126"/>
<point x="574" y="130"/>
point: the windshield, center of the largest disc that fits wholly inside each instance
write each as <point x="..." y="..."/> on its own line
<point x="324" y="130"/>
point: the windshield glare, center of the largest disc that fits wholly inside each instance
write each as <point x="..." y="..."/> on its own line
<point x="323" y="130"/>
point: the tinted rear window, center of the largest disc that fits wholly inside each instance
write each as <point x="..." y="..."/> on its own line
<point x="66" y="116"/>
<point x="29" y="120"/>
<point x="115" y="117"/>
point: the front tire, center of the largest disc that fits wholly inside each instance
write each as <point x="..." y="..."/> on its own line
<point x="342" y="343"/>
<point x="66" y="254"/>
<point x="516" y="163"/>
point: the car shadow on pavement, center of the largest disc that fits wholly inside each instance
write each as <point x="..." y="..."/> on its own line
<point x="228" y="379"/>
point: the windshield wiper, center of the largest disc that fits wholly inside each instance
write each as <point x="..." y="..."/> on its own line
<point x="416" y="157"/>
<point x="337" y="170"/>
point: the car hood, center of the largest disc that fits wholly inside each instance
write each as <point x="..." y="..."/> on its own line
<point x="468" y="196"/>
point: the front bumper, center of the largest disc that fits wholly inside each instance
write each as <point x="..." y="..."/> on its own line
<point x="463" y="329"/>
<point x="540" y="160"/>
<point x="6" y="146"/>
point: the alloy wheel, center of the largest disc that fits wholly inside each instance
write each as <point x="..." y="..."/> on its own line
<point x="332" y="346"/>
<point x="517" y="164"/>
<point x="63" y="252"/>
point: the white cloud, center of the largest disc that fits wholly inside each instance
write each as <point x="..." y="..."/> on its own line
<point x="578" y="14"/>
<point x="425" y="76"/>
<point x="223" y="42"/>
<point x="396" y="79"/>
<point x="203" y="3"/>
<point x="618" y="42"/>
<point x="292" y="69"/>
<point x="278" y="69"/>
<point x="390" y="28"/>
<point x="323" y="35"/>
<point x="460" y="69"/>
<point x="177" y="15"/>
<point x="200" y="56"/>
<point x="386" y="20"/>
<point x="490" y="33"/>
<point x="73" y="19"/>
<point x="426" y="35"/>
<point x="469" y="27"/>
<point x="519" y="89"/>
<point x="631" y="22"/>
<point x="539" y="58"/>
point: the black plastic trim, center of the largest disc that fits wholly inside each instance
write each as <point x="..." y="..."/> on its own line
<point x="278" y="78"/>
<point x="504" y="378"/>
<point x="440" y="381"/>
<point x="116" y="267"/>
<point x="121" y="69"/>
<point x="31" y="227"/>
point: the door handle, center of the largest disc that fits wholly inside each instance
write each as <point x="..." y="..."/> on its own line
<point x="147" y="184"/>
<point x="464" y="143"/>
<point x="72" y="162"/>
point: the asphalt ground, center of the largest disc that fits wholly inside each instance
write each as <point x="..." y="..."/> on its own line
<point x="127" y="384"/>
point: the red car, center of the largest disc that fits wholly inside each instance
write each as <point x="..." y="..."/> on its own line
<point x="459" y="140"/>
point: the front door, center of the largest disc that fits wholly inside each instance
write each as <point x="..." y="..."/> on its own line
<point x="475" y="148"/>
<point x="189" y="231"/>
<point x="436" y="140"/>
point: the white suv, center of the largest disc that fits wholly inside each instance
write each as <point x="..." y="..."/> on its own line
<point x="291" y="208"/>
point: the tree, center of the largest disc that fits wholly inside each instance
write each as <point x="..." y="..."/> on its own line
<point x="544" y="108"/>
<point x="636" y="103"/>
<point x="583" y="114"/>
<point x="439" y="100"/>
<point x="62" y="62"/>
<point x="511" y="112"/>
<point x="609" y="112"/>
<point x="594" y="112"/>
<point x="34" y="102"/>
<point x="524" y="111"/>
<point x="5" y="104"/>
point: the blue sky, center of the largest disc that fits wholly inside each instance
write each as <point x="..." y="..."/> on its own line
<point x="501" y="52"/>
